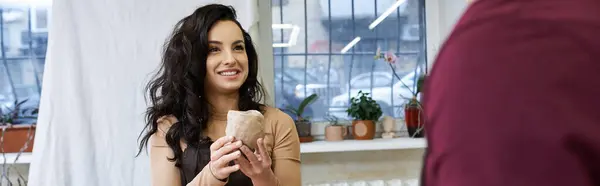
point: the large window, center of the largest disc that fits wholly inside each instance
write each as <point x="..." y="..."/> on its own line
<point x="24" y="36"/>
<point x="328" y="47"/>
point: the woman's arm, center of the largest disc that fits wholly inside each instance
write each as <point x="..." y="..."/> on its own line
<point x="206" y="178"/>
<point x="164" y="172"/>
<point x="286" y="152"/>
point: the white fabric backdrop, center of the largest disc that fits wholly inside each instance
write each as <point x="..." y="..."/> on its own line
<point x="100" y="55"/>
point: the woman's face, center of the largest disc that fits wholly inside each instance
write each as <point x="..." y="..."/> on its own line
<point x="227" y="62"/>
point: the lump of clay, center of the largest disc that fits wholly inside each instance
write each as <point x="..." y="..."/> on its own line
<point x="246" y="126"/>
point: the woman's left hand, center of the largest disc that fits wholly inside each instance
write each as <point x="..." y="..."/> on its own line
<point x="257" y="166"/>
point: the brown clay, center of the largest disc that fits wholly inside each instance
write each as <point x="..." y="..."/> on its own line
<point x="363" y="129"/>
<point x="246" y="126"/>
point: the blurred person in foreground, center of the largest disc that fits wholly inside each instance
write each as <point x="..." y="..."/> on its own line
<point x="514" y="97"/>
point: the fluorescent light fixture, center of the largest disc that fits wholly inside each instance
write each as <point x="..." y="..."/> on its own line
<point x="293" y="36"/>
<point x="386" y="14"/>
<point x="350" y="45"/>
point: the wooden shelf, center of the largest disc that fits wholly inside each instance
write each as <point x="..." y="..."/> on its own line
<point x="363" y="145"/>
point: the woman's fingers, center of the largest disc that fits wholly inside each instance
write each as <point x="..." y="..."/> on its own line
<point x="220" y="142"/>
<point x="249" y="154"/>
<point x="262" y="149"/>
<point x="258" y="156"/>
<point x="229" y="169"/>
<point x="244" y="164"/>
<point x="225" y="150"/>
<point x="225" y="159"/>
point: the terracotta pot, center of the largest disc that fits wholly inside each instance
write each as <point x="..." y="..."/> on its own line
<point x="363" y="129"/>
<point x="335" y="133"/>
<point x="16" y="136"/>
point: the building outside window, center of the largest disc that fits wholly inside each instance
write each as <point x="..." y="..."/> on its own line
<point x="309" y="41"/>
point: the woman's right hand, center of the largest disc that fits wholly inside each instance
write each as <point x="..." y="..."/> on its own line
<point x="223" y="151"/>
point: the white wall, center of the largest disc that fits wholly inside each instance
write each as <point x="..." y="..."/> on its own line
<point x="363" y="165"/>
<point x="441" y="18"/>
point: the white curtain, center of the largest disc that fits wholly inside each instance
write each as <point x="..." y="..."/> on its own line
<point x="100" y="55"/>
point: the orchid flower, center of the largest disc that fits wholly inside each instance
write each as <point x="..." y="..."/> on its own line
<point x="390" y="57"/>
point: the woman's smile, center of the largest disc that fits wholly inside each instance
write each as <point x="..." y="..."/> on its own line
<point x="230" y="74"/>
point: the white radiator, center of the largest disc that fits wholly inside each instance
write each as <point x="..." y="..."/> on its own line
<point x="393" y="182"/>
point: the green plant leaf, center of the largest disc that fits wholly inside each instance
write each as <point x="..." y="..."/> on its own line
<point x="307" y="101"/>
<point x="333" y="121"/>
<point x="363" y="107"/>
<point x="292" y="110"/>
<point x="299" y="112"/>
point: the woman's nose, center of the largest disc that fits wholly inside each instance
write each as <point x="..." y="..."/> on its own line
<point x="229" y="58"/>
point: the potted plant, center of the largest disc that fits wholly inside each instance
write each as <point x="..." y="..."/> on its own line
<point x="413" y="112"/>
<point x="365" y="111"/>
<point x="303" y="124"/>
<point x="335" y="131"/>
<point x="18" y="128"/>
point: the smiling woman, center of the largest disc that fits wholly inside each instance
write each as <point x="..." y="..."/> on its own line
<point x="210" y="67"/>
<point x="227" y="62"/>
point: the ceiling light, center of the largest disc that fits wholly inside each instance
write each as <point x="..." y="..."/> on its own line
<point x="350" y="45"/>
<point x="293" y="35"/>
<point x="386" y="14"/>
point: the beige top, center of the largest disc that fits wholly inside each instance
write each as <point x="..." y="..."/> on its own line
<point x="281" y="140"/>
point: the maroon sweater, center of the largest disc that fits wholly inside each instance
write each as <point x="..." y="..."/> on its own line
<point x="514" y="97"/>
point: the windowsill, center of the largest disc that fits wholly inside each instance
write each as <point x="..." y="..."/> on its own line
<point x="305" y="148"/>
<point x="363" y="145"/>
<point x="399" y="143"/>
<point x="25" y="158"/>
<point x="318" y="129"/>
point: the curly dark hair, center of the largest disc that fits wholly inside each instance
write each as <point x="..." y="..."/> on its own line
<point x="177" y="89"/>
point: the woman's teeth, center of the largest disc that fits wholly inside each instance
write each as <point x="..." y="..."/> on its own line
<point x="229" y="73"/>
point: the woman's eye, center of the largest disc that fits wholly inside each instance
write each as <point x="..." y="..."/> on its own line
<point x="240" y="48"/>
<point x="213" y="49"/>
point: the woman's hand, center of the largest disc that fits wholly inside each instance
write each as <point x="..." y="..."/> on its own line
<point x="223" y="151"/>
<point x="257" y="166"/>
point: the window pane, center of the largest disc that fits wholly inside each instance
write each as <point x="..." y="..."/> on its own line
<point x="289" y="25"/>
<point x="24" y="78"/>
<point x="327" y="63"/>
<point x="6" y="93"/>
<point x="24" y="38"/>
<point x="15" y="29"/>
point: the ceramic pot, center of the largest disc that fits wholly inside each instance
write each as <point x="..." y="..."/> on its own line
<point x="335" y="133"/>
<point x="414" y="120"/>
<point x="303" y="127"/>
<point x="363" y="129"/>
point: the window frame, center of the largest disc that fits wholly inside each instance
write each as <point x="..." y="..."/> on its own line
<point x="431" y="34"/>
